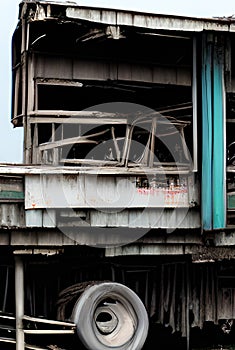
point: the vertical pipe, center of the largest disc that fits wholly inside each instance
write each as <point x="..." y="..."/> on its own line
<point x="24" y="59"/>
<point x="19" y="302"/>
<point x="187" y="305"/>
<point x="23" y="72"/>
<point x="206" y="132"/>
<point x="225" y="153"/>
<point x="6" y="290"/>
<point x="194" y="97"/>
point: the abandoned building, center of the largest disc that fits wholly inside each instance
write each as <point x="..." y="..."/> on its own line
<point x="118" y="230"/>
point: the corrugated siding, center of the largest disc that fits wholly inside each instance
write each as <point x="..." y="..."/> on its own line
<point x="12" y="215"/>
<point x="147" y="218"/>
<point x="150" y="21"/>
<point x="92" y="191"/>
<point x="65" y="68"/>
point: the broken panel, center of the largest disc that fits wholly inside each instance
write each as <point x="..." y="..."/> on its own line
<point x="93" y="191"/>
<point x="153" y="141"/>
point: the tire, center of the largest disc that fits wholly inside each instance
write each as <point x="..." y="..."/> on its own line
<point x="110" y="316"/>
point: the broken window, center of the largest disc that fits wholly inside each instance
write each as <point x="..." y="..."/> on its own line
<point x="67" y="87"/>
<point x="133" y="136"/>
<point x="82" y="143"/>
<point x="159" y="141"/>
<point x="72" y="68"/>
<point x="145" y="140"/>
<point x="100" y="145"/>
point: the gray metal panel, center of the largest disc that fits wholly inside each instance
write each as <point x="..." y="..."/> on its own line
<point x="47" y="66"/>
<point x="21" y="169"/>
<point x="136" y="249"/>
<point x="49" y="218"/>
<point x="44" y="238"/>
<point x="107" y="218"/>
<point x="91" y="69"/>
<point x="51" y="237"/>
<point x="12" y="215"/>
<point x="89" y="191"/>
<point x="150" y="21"/>
<point x="94" y="15"/>
<point x="66" y="68"/>
<point x="33" y="218"/>
<point x="154" y="74"/>
<point x="167" y="218"/>
<point x="147" y="218"/>
<point x="139" y="72"/>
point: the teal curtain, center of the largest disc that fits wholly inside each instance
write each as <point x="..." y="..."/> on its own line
<point x="213" y="139"/>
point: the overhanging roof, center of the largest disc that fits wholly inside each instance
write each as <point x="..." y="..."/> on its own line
<point x="116" y="17"/>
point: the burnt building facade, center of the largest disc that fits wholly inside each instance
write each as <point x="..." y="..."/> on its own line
<point x="118" y="229"/>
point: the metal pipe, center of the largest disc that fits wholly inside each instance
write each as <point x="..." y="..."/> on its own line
<point x="19" y="302"/>
<point x="6" y="290"/>
<point x="194" y="93"/>
<point x="188" y="298"/>
<point x="49" y="331"/>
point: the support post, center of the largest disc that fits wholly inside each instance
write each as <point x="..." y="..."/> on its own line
<point x="19" y="302"/>
<point x="188" y="298"/>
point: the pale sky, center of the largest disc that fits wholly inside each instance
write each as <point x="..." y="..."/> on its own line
<point x="11" y="140"/>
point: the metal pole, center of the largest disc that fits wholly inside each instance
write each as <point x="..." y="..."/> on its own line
<point x="19" y="302"/>
<point x="194" y="96"/>
<point x="187" y="305"/>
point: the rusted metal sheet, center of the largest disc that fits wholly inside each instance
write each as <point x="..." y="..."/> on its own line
<point x="150" y="21"/>
<point x="154" y="74"/>
<point x="22" y="169"/>
<point x="145" y="250"/>
<point x="87" y="191"/>
<point x="147" y="218"/>
<point x="37" y="238"/>
<point x="91" y="69"/>
<point x="47" y="66"/>
<point x="56" y="238"/>
<point x="134" y="19"/>
<point x="52" y="66"/>
<point x="200" y="254"/>
<point x="12" y="215"/>
<point x="132" y="218"/>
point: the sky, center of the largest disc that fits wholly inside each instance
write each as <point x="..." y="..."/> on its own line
<point x="11" y="140"/>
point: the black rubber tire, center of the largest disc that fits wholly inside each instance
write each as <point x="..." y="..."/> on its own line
<point x="127" y="324"/>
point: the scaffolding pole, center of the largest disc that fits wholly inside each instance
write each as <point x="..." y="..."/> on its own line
<point x="19" y="302"/>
